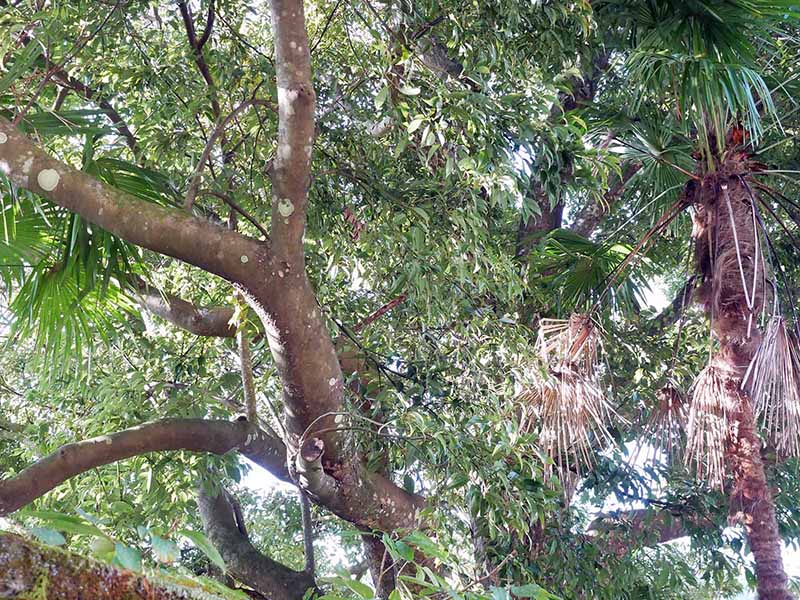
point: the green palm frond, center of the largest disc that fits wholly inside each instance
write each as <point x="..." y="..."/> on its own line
<point x="63" y="318"/>
<point x="141" y="182"/>
<point x="24" y="235"/>
<point x="699" y="56"/>
<point x="64" y="275"/>
<point x="85" y="121"/>
<point x="579" y="269"/>
<point x="666" y="159"/>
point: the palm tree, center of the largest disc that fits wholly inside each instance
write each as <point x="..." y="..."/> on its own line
<point x="696" y="63"/>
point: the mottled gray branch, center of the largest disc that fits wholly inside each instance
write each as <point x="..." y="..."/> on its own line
<point x="243" y="560"/>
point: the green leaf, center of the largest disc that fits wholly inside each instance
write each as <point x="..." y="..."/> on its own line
<point x="21" y="64"/>
<point x="127" y="557"/>
<point x="531" y="590"/>
<point x="425" y="545"/>
<point x="408" y="90"/>
<point x="359" y="588"/>
<point x="67" y="523"/>
<point x="166" y="551"/>
<point x="204" y="545"/>
<point x="48" y="536"/>
<point x="500" y="594"/>
<point x="414" y="125"/>
<point x="404" y="550"/>
<point x="381" y="98"/>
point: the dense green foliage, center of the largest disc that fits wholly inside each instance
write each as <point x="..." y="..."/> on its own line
<point x="550" y="103"/>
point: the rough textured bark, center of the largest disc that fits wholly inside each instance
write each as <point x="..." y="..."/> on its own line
<point x="196" y="435"/>
<point x="243" y="560"/>
<point x="732" y="291"/>
<point x="753" y="506"/>
<point x="30" y="570"/>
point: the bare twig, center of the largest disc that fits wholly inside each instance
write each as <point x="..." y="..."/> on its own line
<point x="235" y="206"/>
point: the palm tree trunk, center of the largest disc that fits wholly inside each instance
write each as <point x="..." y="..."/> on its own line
<point x="752" y="505"/>
<point x="729" y="258"/>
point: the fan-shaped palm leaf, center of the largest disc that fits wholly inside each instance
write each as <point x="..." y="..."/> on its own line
<point x="694" y="55"/>
<point x="773" y="382"/>
<point x="563" y="400"/>
<point x="708" y="427"/>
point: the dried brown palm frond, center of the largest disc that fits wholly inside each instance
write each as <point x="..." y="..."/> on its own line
<point x="663" y="432"/>
<point x="569" y="342"/>
<point x="708" y="426"/>
<point x="773" y="382"/>
<point x="563" y="400"/>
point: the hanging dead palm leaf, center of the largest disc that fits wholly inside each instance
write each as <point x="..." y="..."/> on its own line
<point x="563" y="400"/>
<point x="773" y="382"/>
<point x="708" y="426"/>
<point x="664" y="430"/>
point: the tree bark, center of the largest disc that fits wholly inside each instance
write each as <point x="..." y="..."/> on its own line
<point x="270" y="275"/>
<point x="30" y="570"/>
<point x="243" y="560"/>
<point x="214" y="321"/>
<point x="730" y="262"/>
<point x="196" y="435"/>
<point x="752" y="504"/>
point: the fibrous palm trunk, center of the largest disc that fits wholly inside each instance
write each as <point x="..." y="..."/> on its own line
<point x="730" y="259"/>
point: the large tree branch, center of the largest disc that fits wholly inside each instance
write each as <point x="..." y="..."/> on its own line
<point x="273" y="279"/>
<point x="624" y="530"/>
<point x="164" y="230"/>
<point x="296" y="102"/>
<point x="590" y="217"/>
<point x="244" y="561"/>
<point x="197" y="435"/>
<point x="299" y="339"/>
<point x="212" y="321"/>
<point x="27" y="569"/>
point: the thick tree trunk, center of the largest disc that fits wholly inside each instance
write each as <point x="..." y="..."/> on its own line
<point x="752" y="505"/>
<point x="730" y="260"/>
<point x="245" y="561"/>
